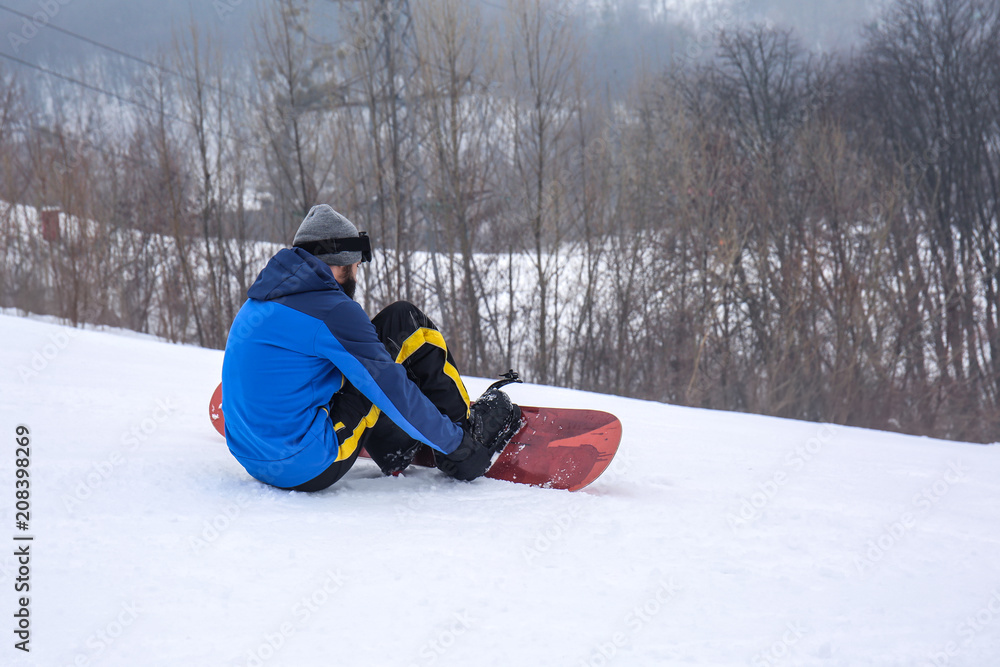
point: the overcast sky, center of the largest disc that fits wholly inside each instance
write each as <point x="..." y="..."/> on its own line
<point x="142" y="27"/>
<point x="135" y="26"/>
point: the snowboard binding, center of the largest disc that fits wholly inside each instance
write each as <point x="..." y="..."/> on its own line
<point x="495" y="419"/>
<point x="506" y="379"/>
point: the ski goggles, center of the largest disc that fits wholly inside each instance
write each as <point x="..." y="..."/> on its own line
<point x="360" y="243"/>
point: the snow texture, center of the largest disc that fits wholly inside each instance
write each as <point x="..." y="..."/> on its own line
<point x="714" y="539"/>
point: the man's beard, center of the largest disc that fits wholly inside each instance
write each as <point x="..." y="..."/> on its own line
<point x="349" y="285"/>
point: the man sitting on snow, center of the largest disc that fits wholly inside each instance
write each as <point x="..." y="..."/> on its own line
<point x="308" y="379"/>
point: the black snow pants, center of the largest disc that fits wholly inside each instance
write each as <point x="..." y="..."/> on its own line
<point x="413" y="341"/>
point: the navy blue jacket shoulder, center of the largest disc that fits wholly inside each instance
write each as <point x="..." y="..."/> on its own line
<point x="290" y="348"/>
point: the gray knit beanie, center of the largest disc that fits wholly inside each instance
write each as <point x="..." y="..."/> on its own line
<point x="323" y="223"/>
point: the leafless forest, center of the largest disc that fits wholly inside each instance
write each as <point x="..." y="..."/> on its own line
<point x="767" y="229"/>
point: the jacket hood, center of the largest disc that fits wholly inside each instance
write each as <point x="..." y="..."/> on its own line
<point x="292" y="271"/>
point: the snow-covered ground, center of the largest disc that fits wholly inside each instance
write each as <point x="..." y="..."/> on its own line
<point x="714" y="539"/>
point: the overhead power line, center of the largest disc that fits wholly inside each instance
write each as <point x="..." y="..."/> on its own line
<point x="124" y="54"/>
<point x="102" y="91"/>
<point x="83" y="38"/>
<point x="88" y="86"/>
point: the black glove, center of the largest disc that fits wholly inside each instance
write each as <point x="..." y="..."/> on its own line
<point x="469" y="460"/>
<point x="493" y="421"/>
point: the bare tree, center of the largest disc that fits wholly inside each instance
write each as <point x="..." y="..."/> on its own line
<point x="541" y="57"/>
<point x="459" y="111"/>
<point x="293" y="79"/>
<point x="218" y="143"/>
<point x="381" y="67"/>
<point x="928" y="82"/>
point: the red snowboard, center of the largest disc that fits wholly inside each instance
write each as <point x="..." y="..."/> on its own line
<point x="557" y="448"/>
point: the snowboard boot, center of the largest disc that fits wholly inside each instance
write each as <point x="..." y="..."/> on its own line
<point x="493" y="421"/>
<point x="396" y="461"/>
<point x="493" y="417"/>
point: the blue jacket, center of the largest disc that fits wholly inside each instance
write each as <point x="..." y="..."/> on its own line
<point x="289" y="350"/>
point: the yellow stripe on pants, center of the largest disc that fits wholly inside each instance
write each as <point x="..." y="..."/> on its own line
<point x="351" y="444"/>
<point x="433" y="337"/>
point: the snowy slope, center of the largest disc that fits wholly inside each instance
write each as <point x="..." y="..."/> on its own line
<point x="715" y="539"/>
